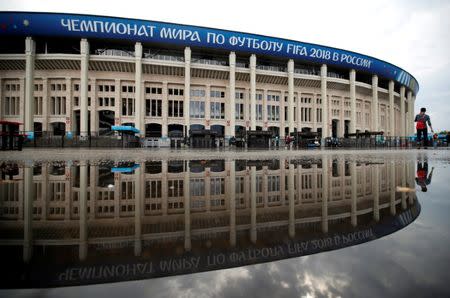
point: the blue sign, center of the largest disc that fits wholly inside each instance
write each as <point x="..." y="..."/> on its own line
<point x="87" y="26"/>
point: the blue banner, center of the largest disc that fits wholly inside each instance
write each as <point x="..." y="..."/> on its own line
<point x="87" y="26"/>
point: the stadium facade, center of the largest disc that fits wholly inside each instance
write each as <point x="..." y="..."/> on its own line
<point x="81" y="74"/>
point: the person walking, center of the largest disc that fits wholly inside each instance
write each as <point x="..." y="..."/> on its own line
<point x="421" y="126"/>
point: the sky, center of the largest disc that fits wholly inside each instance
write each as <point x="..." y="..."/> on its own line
<point x="413" y="35"/>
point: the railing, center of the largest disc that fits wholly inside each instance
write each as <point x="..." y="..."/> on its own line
<point x="164" y="57"/>
<point x="210" y="62"/>
<point x="307" y="71"/>
<point x="335" y="75"/>
<point x="114" y="52"/>
<point x="241" y="64"/>
<point x="271" y="68"/>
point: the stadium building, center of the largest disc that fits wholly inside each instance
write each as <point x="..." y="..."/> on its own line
<point x="79" y="75"/>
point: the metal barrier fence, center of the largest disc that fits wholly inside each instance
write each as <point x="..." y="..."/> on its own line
<point x="114" y="140"/>
<point x="381" y="142"/>
<point x="94" y="139"/>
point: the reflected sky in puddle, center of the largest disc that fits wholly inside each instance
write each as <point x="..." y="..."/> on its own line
<point x="263" y="219"/>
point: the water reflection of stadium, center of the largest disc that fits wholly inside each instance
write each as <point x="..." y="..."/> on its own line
<point x="85" y="213"/>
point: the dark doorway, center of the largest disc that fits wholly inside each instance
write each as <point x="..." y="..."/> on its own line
<point x="37" y="129"/>
<point x="346" y="128"/>
<point x="105" y="121"/>
<point x="77" y="125"/>
<point x="153" y="130"/>
<point x="59" y="128"/>
<point x="334" y="127"/>
<point x="175" y="132"/>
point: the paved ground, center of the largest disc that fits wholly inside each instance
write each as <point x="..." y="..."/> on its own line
<point x="30" y="154"/>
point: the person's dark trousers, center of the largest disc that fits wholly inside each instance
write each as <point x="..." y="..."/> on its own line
<point x="423" y="166"/>
<point x="423" y="133"/>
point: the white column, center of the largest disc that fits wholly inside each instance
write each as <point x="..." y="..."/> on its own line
<point x="187" y="209"/>
<point x="392" y="186"/>
<point x="30" y="49"/>
<point x="231" y="189"/>
<point x="282" y="123"/>
<point x="325" y="115"/>
<point x="93" y="108"/>
<point x="165" y="111"/>
<point x="290" y="68"/>
<point x="253" y="204"/>
<point x="28" y="196"/>
<point x="232" y="105"/>
<point x="354" y="180"/>
<point x="413" y="105"/>
<point x="84" y="80"/>
<point x="208" y="107"/>
<point x="1" y="101"/>
<point x="265" y="112"/>
<point x="187" y="88"/>
<point x="139" y="192"/>
<point x="375" y="120"/>
<point x="253" y="92"/>
<point x="82" y="249"/>
<point x="352" y="128"/>
<point x="402" y="111"/>
<point x="69" y="105"/>
<point x="391" y="109"/>
<point x="376" y="192"/>
<point x="138" y="92"/>
<point x="325" y="194"/>
<point x="410" y="114"/>
<point x="291" y="196"/>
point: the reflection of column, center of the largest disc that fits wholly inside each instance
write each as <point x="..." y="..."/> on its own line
<point x="411" y="181"/>
<point x="325" y="192"/>
<point x="82" y="250"/>
<point x="232" y="192"/>
<point x="28" y="213"/>
<point x="138" y="194"/>
<point x="253" y="205"/>
<point x="264" y="185"/>
<point x="253" y="92"/>
<point x="392" y="186"/>
<point x="403" y="178"/>
<point x="291" y="201"/>
<point x="93" y="182"/>
<point x="187" y="209"/>
<point x="376" y="192"/>
<point x="164" y="193"/>
<point x="354" y="209"/>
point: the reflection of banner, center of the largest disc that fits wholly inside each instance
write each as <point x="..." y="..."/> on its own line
<point x="148" y="267"/>
<point x="86" y="26"/>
